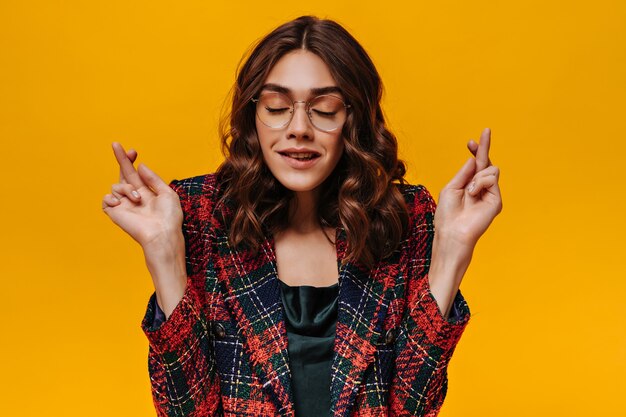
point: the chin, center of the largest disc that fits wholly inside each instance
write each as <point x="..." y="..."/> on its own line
<point x="301" y="185"/>
<point x="298" y="181"/>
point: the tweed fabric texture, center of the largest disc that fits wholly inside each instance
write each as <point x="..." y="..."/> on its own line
<point x="223" y="351"/>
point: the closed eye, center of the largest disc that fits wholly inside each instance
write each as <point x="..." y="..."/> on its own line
<point x="325" y="113"/>
<point x="273" y="110"/>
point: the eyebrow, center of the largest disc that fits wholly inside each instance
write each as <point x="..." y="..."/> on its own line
<point x="317" y="91"/>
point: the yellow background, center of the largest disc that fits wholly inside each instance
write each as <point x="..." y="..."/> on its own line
<point x="547" y="284"/>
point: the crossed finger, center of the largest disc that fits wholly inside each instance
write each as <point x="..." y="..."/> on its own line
<point x="481" y="150"/>
<point x="132" y="156"/>
<point x="128" y="174"/>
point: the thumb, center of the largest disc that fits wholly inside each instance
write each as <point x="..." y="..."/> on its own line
<point x="151" y="179"/>
<point x="463" y="176"/>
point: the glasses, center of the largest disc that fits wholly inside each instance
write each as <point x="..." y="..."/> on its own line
<point x="326" y="112"/>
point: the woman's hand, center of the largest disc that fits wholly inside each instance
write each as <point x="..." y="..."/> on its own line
<point x="149" y="210"/>
<point x="467" y="206"/>
<point x="142" y="204"/>
<point x="471" y="200"/>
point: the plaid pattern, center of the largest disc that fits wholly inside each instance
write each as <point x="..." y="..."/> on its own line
<point x="223" y="351"/>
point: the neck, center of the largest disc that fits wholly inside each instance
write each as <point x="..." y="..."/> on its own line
<point x="303" y="212"/>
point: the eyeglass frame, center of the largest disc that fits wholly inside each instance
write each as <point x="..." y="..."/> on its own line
<point x="307" y="109"/>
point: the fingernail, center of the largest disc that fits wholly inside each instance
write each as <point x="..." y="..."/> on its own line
<point x="136" y="194"/>
<point x="471" y="187"/>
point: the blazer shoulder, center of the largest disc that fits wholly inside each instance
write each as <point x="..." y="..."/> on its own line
<point x="198" y="195"/>
<point x="193" y="187"/>
<point x="417" y="198"/>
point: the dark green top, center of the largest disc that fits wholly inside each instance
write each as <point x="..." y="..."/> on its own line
<point x="311" y="319"/>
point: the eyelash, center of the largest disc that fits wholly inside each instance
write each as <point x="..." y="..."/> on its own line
<point x="271" y="110"/>
<point x="321" y="113"/>
<point x="324" y="113"/>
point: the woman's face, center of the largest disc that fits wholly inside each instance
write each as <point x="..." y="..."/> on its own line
<point x="300" y="75"/>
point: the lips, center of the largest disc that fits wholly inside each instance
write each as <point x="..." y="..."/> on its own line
<point x="300" y="160"/>
<point x="299" y="152"/>
<point x="301" y="155"/>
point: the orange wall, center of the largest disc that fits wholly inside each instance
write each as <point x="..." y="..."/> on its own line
<point x="546" y="286"/>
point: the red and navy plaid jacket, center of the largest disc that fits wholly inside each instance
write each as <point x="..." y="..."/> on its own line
<point x="223" y="350"/>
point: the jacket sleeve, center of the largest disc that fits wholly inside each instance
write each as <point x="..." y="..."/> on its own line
<point x="426" y="339"/>
<point x="181" y="362"/>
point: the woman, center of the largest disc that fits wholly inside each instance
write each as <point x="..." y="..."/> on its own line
<point x="305" y="277"/>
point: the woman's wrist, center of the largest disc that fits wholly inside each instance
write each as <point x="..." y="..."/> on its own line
<point x="448" y="250"/>
<point x="167" y="266"/>
<point x="449" y="261"/>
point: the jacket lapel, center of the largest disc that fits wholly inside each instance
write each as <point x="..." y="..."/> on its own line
<point x="252" y="294"/>
<point x="364" y="297"/>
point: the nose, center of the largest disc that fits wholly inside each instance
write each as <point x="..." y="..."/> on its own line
<point x="300" y="124"/>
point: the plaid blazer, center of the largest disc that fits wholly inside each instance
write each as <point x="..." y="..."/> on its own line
<point x="223" y="350"/>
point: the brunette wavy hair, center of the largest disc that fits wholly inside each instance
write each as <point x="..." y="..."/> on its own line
<point x="360" y="193"/>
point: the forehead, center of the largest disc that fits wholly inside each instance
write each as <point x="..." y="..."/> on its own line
<point x="301" y="71"/>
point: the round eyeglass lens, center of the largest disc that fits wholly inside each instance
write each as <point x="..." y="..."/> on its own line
<point x="274" y="109"/>
<point x="326" y="112"/>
